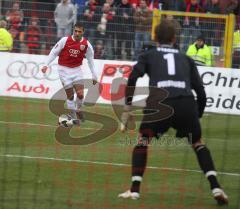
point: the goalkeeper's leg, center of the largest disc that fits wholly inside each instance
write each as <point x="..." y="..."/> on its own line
<point x="193" y="129"/>
<point x="206" y="163"/>
<point x="139" y="162"/>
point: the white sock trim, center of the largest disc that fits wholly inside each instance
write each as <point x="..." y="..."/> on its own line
<point x="79" y="103"/>
<point x="200" y="147"/>
<point x="70" y="104"/>
<point x="211" y="173"/>
<point x="136" y="178"/>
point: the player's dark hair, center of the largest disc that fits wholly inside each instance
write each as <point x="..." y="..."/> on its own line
<point x="165" y="32"/>
<point x="78" y="25"/>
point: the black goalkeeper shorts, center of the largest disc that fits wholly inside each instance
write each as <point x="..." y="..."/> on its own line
<point x="184" y="119"/>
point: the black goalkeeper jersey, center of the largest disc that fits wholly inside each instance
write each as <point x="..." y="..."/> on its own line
<point x="167" y="69"/>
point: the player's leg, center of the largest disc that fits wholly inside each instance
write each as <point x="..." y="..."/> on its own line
<point x="79" y="89"/>
<point x="139" y="162"/>
<point x="70" y="96"/>
<point x="139" y="155"/>
<point x="71" y="102"/>
<point x="207" y="165"/>
<point x="186" y="110"/>
<point x="78" y="85"/>
<point x="67" y="82"/>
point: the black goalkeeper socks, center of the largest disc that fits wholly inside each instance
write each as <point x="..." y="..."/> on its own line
<point x="206" y="164"/>
<point x="213" y="182"/>
<point x="139" y="160"/>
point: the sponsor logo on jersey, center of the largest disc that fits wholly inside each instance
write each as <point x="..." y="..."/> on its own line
<point x="82" y="47"/>
<point x="74" y="52"/>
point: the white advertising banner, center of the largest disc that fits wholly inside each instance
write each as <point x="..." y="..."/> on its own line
<point x="20" y="76"/>
<point x="222" y="87"/>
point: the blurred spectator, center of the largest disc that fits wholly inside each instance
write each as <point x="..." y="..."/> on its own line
<point x="112" y="3"/>
<point x="99" y="51"/>
<point x="169" y="5"/>
<point x="178" y="29"/>
<point x="134" y="3"/>
<point x="191" y="25"/>
<point x="181" y="5"/>
<point x="163" y="4"/>
<point x="33" y="36"/>
<point x="237" y="10"/>
<point x="50" y="36"/>
<point x="106" y="29"/>
<point x="79" y="7"/>
<point x="91" y="18"/>
<point x="154" y="4"/>
<point x="125" y="28"/>
<point x="64" y="15"/>
<point x="143" y="20"/>
<point x="213" y="6"/>
<point x="200" y="52"/>
<point x="231" y="6"/>
<point x="15" y="18"/>
<point x="211" y="26"/>
<point x="203" y="3"/>
<point x="18" y="38"/>
<point x="6" y="41"/>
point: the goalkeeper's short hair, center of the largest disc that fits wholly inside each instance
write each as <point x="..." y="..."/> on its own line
<point x="165" y="32"/>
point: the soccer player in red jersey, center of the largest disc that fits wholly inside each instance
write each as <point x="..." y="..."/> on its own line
<point x="71" y="51"/>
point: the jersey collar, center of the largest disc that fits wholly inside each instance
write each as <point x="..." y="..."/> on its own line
<point x="75" y="40"/>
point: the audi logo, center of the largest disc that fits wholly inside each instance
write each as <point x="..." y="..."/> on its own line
<point x="28" y="70"/>
<point x="74" y="51"/>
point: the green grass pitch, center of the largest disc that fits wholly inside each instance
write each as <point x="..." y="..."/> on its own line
<point x="38" y="172"/>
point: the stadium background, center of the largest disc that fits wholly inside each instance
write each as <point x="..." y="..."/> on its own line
<point x="39" y="172"/>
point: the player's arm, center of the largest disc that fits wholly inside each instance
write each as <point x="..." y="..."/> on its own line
<point x="197" y="86"/>
<point x="90" y="59"/>
<point x="54" y="53"/>
<point x="138" y="71"/>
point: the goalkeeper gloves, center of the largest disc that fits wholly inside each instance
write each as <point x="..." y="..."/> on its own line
<point x="126" y="115"/>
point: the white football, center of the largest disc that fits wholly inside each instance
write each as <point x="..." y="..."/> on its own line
<point x="65" y="121"/>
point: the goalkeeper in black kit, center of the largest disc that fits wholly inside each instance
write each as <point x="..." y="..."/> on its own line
<point x="172" y="77"/>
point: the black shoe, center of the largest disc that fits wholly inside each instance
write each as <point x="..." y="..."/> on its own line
<point x="76" y="122"/>
<point x="220" y="196"/>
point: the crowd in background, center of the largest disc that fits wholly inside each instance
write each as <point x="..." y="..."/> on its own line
<point x="116" y="28"/>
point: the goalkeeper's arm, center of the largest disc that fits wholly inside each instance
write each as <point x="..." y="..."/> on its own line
<point x="198" y="87"/>
<point x="129" y="92"/>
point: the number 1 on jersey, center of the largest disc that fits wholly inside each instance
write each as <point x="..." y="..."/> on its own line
<point x="170" y="63"/>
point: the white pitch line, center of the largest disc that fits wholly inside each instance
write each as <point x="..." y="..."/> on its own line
<point x="54" y="126"/>
<point x="111" y="164"/>
<point x="95" y="162"/>
<point x="38" y="124"/>
<point x="26" y="123"/>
